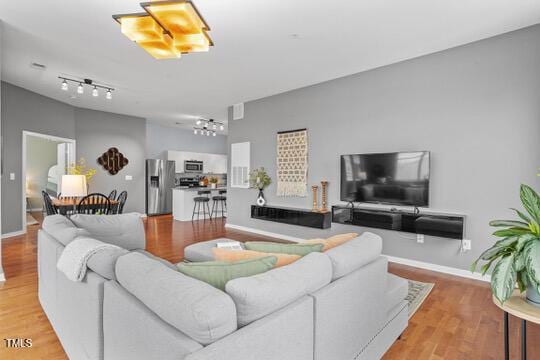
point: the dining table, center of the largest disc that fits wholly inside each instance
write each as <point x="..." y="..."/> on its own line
<point x="68" y="204"/>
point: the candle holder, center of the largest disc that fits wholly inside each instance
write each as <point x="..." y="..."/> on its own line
<point x="315" y="189"/>
<point x="324" y="185"/>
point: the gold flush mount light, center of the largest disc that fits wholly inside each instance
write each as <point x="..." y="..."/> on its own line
<point x="167" y="29"/>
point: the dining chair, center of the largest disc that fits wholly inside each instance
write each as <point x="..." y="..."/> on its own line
<point x="121" y="202"/>
<point x="112" y="195"/>
<point x="49" y="207"/>
<point x="95" y="203"/>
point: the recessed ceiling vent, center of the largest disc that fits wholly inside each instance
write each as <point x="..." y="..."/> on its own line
<point x="38" y="66"/>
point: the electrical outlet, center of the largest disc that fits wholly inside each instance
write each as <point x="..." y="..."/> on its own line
<point x="466" y="245"/>
<point x="11" y="176"/>
<point x="420" y="238"/>
<point x="129" y="177"/>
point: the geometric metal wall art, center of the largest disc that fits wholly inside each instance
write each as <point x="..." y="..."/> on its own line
<point x="113" y="161"/>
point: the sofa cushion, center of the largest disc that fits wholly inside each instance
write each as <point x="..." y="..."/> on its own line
<point x="332" y="241"/>
<point x="354" y="254"/>
<point x="103" y="262"/>
<point x="218" y="273"/>
<point x="293" y="249"/>
<point x="197" y="309"/>
<point x="124" y="230"/>
<point x="221" y="254"/>
<point x="202" y="251"/>
<point x="259" y="295"/>
<point x="397" y="290"/>
<point x="157" y="258"/>
<point x="62" y="229"/>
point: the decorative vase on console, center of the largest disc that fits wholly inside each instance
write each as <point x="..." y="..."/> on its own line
<point x="259" y="179"/>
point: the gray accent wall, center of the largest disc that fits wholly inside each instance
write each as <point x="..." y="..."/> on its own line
<point x="1" y="155"/>
<point x="26" y="110"/>
<point x="475" y="107"/>
<point x="96" y="132"/>
<point x="160" y="138"/>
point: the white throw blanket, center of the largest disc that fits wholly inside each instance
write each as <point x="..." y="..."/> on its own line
<point x="73" y="260"/>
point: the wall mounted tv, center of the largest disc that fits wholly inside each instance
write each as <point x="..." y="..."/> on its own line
<point x="400" y="178"/>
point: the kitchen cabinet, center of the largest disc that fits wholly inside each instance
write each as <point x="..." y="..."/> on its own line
<point x="213" y="163"/>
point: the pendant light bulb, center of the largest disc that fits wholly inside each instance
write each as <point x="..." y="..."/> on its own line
<point x="108" y="95"/>
<point x="214" y="134"/>
<point x="80" y="89"/>
<point x="64" y="85"/>
<point x="221" y="127"/>
<point x="95" y="92"/>
<point x="214" y="126"/>
<point x="199" y="122"/>
<point x="207" y="133"/>
<point x="195" y="131"/>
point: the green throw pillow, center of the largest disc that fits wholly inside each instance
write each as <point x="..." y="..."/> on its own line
<point x="217" y="273"/>
<point x="293" y="249"/>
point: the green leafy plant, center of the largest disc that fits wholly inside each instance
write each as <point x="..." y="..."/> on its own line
<point x="259" y="179"/>
<point x="79" y="168"/>
<point x="213" y="180"/>
<point x="517" y="254"/>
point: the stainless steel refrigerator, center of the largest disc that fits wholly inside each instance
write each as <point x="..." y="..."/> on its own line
<point x="159" y="184"/>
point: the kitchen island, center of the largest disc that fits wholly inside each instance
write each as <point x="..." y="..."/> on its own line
<point x="183" y="201"/>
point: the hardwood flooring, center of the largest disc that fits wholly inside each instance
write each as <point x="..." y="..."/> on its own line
<point x="457" y="320"/>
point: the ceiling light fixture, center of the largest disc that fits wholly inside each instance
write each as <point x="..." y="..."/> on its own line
<point x="82" y="82"/>
<point x="167" y="29"/>
<point x="207" y="127"/>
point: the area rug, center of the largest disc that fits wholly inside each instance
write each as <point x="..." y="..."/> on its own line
<point x="292" y="163"/>
<point x="30" y="220"/>
<point x="418" y="292"/>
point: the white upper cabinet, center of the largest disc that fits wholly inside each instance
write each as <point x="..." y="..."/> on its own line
<point x="213" y="163"/>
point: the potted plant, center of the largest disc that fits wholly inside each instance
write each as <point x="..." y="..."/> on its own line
<point x="517" y="254"/>
<point x="79" y="168"/>
<point x="259" y="179"/>
<point x="213" y="182"/>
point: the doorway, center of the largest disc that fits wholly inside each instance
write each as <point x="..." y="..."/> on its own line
<point x="45" y="159"/>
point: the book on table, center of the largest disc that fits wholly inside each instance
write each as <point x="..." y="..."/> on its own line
<point x="230" y="245"/>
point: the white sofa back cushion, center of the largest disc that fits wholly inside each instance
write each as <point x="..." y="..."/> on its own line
<point x="259" y="295"/>
<point x="62" y="229"/>
<point x="197" y="309"/>
<point x="354" y="254"/>
<point x="124" y="230"/>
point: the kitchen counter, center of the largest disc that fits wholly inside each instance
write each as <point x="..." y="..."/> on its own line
<point x="183" y="202"/>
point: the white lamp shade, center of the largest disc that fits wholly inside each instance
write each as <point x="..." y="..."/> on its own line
<point x="74" y="185"/>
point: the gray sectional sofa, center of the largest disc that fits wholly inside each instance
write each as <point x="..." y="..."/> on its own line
<point x="341" y="304"/>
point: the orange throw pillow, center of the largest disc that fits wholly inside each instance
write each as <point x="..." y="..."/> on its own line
<point x="237" y="255"/>
<point x="333" y="241"/>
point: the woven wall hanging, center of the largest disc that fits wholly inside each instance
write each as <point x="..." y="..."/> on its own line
<point x="113" y="161"/>
<point x="292" y="163"/>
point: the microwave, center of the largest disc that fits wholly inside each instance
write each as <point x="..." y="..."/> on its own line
<point x="193" y="166"/>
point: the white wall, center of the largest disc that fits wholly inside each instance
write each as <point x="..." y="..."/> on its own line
<point x="475" y="107"/>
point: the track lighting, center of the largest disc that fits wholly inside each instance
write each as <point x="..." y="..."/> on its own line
<point x="208" y="127"/>
<point x="82" y="82"/>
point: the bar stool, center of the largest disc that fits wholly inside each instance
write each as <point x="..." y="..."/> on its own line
<point x="204" y="200"/>
<point x="219" y="200"/>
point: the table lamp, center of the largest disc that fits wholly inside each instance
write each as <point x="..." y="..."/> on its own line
<point x="73" y="186"/>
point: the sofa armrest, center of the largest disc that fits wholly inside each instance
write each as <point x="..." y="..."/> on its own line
<point x="286" y="334"/>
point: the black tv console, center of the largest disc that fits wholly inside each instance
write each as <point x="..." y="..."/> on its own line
<point x="447" y="226"/>
<point x="292" y="216"/>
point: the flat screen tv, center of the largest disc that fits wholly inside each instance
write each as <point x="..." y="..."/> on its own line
<point x="400" y="178"/>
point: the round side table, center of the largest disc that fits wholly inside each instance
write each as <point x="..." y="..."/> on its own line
<point x="520" y="308"/>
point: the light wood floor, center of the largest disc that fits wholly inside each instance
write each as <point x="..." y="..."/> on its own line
<point x="457" y="320"/>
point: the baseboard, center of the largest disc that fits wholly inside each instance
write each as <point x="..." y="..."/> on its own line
<point x="439" y="268"/>
<point x="14" y="233"/>
<point x="398" y="260"/>
<point x="35" y="209"/>
<point x="264" y="233"/>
